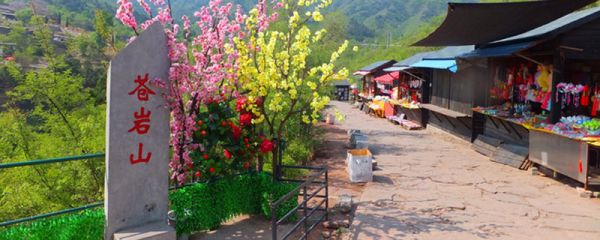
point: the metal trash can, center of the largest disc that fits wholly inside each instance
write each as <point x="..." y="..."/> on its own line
<point x="360" y="165"/>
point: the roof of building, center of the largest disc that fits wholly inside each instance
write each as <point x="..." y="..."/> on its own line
<point x="524" y="41"/>
<point x="341" y="83"/>
<point x="557" y="26"/>
<point x="481" y="23"/>
<point x="374" y="66"/>
<point x="447" y="52"/>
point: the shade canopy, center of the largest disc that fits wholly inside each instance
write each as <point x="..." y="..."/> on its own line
<point x="480" y="23"/>
<point x="498" y="51"/>
<point x="388" y="78"/>
<point x="444" y="63"/>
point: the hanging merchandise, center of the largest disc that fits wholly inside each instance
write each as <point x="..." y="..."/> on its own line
<point x="543" y="77"/>
<point x="595" y="102"/>
<point x="523" y="91"/>
<point x="585" y="96"/>
<point x="569" y="94"/>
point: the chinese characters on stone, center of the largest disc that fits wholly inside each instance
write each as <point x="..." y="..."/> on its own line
<point x="141" y="122"/>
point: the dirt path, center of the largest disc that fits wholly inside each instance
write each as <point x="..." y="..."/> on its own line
<point x="431" y="186"/>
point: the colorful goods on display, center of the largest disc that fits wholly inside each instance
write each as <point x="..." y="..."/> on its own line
<point x="521" y="86"/>
<point x="528" y="98"/>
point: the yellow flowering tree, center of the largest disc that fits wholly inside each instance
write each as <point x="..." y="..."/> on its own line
<point x="276" y="72"/>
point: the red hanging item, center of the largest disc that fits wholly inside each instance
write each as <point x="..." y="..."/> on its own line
<point x="585" y="98"/>
<point x="595" y="103"/>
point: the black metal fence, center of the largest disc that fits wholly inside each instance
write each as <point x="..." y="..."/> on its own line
<point x="314" y="194"/>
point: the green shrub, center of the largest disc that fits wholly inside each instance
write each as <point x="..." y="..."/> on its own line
<point x="204" y="206"/>
<point x="88" y="224"/>
<point x="198" y="207"/>
<point x="277" y="191"/>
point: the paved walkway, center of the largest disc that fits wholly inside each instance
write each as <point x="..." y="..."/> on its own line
<point x="432" y="186"/>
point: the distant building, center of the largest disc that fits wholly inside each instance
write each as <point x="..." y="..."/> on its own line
<point x="8" y="12"/>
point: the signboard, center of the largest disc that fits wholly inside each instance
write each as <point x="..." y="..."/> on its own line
<point x="137" y="135"/>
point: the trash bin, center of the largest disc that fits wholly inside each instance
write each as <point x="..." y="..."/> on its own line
<point x="357" y="137"/>
<point x="360" y="165"/>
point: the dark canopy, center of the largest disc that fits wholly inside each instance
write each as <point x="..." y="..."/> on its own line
<point x="479" y="23"/>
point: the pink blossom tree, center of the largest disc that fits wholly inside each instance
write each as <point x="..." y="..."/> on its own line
<point x="204" y="66"/>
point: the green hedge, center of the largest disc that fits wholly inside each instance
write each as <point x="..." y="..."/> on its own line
<point x="205" y="206"/>
<point x="88" y="224"/>
<point x="199" y="207"/>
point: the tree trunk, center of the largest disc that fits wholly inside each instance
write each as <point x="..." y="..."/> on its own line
<point x="275" y="164"/>
<point x="260" y="163"/>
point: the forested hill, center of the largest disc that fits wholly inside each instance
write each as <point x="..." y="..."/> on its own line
<point x="369" y="20"/>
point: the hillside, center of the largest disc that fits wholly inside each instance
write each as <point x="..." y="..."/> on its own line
<point x="369" y="19"/>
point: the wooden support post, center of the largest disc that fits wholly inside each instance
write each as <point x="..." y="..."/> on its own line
<point x="557" y="77"/>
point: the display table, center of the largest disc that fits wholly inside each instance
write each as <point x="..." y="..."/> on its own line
<point x="378" y="108"/>
<point x="568" y="156"/>
<point x="457" y="123"/>
<point x="412" y="112"/>
<point x="565" y="154"/>
<point x="506" y="129"/>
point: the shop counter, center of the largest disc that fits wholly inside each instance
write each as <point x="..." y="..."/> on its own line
<point x="508" y="130"/>
<point x="457" y="123"/>
<point x="566" y="155"/>
<point x="413" y="113"/>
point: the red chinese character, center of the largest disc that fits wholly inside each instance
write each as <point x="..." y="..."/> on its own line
<point x="142" y="121"/>
<point x="140" y="158"/>
<point x="142" y="90"/>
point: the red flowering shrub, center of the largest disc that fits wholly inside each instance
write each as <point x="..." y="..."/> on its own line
<point x="266" y="146"/>
<point x="224" y="139"/>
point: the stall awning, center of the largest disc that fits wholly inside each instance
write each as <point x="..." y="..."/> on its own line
<point x="388" y="78"/>
<point x="480" y="23"/>
<point x="498" y="51"/>
<point x="448" y="64"/>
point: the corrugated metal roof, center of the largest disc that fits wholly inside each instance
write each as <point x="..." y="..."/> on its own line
<point x="341" y="83"/>
<point x="498" y="51"/>
<point x="481" y="23"/>
<point x="413" y="59"/>
<point x="447" y="52"/>
<point x="557" y="26"/>
<point x="376" y="65"/>
<point x="451" y="52"/>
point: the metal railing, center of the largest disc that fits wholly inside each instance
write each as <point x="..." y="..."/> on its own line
<point x="51" y="161"/>
<point x="310" y="189"/>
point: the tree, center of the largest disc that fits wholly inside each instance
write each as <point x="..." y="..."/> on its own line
<point x="275" y="73"/>
<point x="61" y="120"/>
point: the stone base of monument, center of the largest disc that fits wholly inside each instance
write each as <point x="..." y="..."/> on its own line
<point x="153" y="231"/>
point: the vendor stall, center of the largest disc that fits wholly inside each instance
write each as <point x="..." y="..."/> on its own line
<point x="342" y="90"/>
<point x="451" y="90"/>
<point x="544" y="94"/>
<point x="369" y="73"/>
<point x="405" y="95"/>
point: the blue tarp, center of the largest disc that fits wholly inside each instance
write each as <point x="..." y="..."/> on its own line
<point x="499" y="51"/>
<point x="444" y="63"/>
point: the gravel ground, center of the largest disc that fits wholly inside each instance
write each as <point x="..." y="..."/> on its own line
<point x="432" y="186"/>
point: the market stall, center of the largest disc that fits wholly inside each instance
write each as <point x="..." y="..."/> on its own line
<point x="544" y="94"/>
<point x="368" y="74"/>
<point x="342" y="90"/>
<point x="404" y="94"/>
<point x="450" y="87"/>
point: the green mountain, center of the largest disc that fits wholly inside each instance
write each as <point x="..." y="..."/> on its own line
<point x="367" y="19"/>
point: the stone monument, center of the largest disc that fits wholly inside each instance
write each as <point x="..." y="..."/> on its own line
<point x="137" y="141"/>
